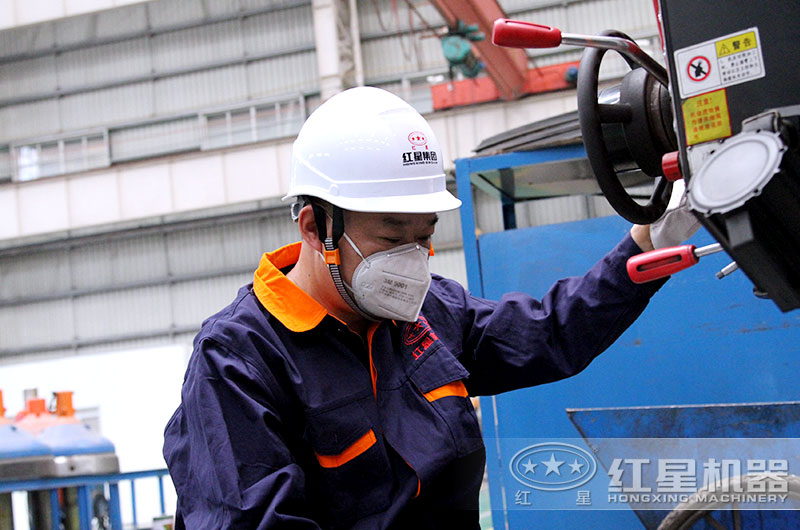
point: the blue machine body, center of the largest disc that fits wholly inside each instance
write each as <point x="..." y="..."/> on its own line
<point x="702" y="341"/>
<point x="57" y="458"/>
<point x="71" y="439"/>
<point x="16" y="443"/>
<point x="702" y="426"/>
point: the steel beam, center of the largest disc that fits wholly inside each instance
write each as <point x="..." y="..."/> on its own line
<point x="506" y="66"/>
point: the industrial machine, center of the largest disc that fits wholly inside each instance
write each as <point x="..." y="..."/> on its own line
<point x="21" y="457"/>
<point x="43" y="444"/>
<point x="707" y="361"/>
<point x="724" y="116"/>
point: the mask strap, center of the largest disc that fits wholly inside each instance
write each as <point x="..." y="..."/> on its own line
<point x="331" y="253"/>
<point x="353" y="245"/>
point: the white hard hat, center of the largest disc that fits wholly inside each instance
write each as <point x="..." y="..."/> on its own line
<point x="367" y="150"/>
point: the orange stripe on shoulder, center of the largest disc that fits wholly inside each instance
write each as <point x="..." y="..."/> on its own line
<point x="456" y="388"/>
<point x="359" y="447"/>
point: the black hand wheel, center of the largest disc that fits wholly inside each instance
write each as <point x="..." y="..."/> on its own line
<point x="592" y="116"/>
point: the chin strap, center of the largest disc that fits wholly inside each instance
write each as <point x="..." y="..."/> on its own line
<point x="331" y="253"/>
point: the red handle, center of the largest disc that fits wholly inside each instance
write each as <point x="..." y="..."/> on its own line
<point x="661" y="262"/>
<point x="671" y="166"/>
<point x="519" y="34"/>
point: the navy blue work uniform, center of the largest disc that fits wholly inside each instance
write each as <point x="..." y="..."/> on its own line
<point x="289" y="420"/>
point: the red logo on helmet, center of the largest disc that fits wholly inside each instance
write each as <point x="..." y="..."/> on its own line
<point x="417" y="138"/>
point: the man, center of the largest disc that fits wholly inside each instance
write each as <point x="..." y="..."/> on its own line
<point x="333" y="392"/>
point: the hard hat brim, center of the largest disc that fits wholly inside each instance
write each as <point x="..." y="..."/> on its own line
<point x="440" y="201"/>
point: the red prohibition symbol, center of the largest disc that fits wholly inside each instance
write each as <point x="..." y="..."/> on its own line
<point x="699" y="68"/>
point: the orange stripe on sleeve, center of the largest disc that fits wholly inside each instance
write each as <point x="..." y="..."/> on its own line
<point x="359" y="447"/>
<point x="456" y="388"/>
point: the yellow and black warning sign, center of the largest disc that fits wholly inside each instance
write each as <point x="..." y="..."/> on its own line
<point x="721" y="62"/>
<point x="706" y="117"/>
<point x="737" y="43"/>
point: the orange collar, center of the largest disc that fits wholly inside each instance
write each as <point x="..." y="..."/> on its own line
<point x="279" y="295"/>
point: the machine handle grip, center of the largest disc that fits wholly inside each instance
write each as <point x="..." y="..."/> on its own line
<point x="660" y="263"/>
<point x="519" y="34"/>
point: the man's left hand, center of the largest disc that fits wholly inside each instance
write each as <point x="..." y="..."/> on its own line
<point x="671" y="229"/>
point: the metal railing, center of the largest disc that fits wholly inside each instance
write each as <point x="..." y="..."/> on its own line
<point x="85" y="484"/>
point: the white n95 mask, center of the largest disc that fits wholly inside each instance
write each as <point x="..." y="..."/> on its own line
<point x="392" y="283"/>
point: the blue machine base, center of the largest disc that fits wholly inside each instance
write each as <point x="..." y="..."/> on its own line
<point x="701" y="341"/>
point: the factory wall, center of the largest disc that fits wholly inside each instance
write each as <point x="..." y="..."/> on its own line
<point x="192" y="75"/>
<point x="217" y="178"/>
<point x="200" y="76"/>
<point x="23" y="12"/>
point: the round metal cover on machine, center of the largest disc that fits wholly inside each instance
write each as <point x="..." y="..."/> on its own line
<point x="736" y="172"/>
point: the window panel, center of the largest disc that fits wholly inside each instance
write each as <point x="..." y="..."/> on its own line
<point x="56" y="157"/>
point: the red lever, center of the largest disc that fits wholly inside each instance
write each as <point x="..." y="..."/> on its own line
<point x="660" y="263"/>
<point x="671" y="166"/>
<point x="518" y="34"/>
